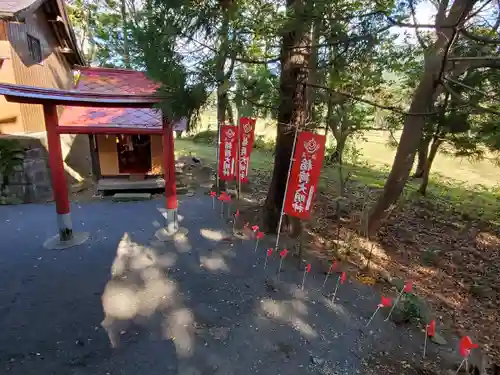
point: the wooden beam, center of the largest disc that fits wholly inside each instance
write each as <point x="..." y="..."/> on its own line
<point x="70" y="129"/>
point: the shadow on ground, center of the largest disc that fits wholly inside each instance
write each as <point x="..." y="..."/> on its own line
<point x="199" y="305"/>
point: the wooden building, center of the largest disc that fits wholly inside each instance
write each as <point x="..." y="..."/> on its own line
<point x="37" y="48"/>
<point x="120" y="159"/>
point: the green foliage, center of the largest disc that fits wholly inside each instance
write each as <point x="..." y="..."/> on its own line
<point x="206" y="137"/>
<point x="11" y="156"/>
<point x="263" y="144"/>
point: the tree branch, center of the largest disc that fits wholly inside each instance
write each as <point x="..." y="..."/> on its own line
<point x="417" y="32"/>
<point x="479" y="38"/>
<point x="459" y="99"/>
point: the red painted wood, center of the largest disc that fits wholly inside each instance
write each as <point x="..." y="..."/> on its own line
<point x="37" y="95"/>
<point x="56" y="164"/>
<point x="61" y="129"/>
<point x="169" y="167"/>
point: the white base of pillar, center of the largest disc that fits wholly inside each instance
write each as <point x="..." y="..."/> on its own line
<point x="55" y="243"/>
<point x="172" y="231"/>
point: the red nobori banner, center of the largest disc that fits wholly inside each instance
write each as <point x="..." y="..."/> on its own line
<point x="247" y="134"/>
<point x="304" y="176"/>
<point x="228" y="150"/>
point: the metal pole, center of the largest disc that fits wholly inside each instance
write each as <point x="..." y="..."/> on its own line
<point x="286" y="188"/>
<point x="336" y="288"/>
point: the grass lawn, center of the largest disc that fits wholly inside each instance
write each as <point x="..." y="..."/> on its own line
<point x="469" y="188"/>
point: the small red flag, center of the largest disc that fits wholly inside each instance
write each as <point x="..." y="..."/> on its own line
<point x="269" y="251"/>
<point x="343" y="277"/>
<point x="408" y="287"/>
<point x="308" y="268"/>
<point x="213" y="194"/>
<point x="385" y="302"/>
<point x="465" y="346"/>
<point x="221" y="197"/>
<point x="237" y="214"/>
<point x="332" y="266"/>
<point x="283" y="253"/>
<point x="259" y="235"/>
<point x="255" y="228"/>
<point x="431" y="328"/>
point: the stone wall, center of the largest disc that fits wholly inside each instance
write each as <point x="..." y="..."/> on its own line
<point x="31" y="181"/>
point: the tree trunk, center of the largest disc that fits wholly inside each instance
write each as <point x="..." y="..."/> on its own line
<point x="423" y="99"/>
<point x="427" y="170"/>
<point x="292" y="112"/>
<point x="222" y="84"/>
<point x="423" y="152"/>
<point x="405" y="154"/>
<point x="126" y="51"/>
<point x="339" y="150"/>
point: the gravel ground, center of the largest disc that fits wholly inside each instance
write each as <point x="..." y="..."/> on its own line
<point x="202" y="305"/>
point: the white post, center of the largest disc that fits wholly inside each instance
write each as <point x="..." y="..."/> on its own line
<point x="326" y="278"/>
<point x="395" y="303"/>
<point x="425" y="342"/>
<point x="336" y="288"/>
<point x="256" y="245"/>
<point x="461" y="364"/>
<point x="238" y="177"/>
<point x="279" y="268"/>
<point x="218" y="157"/>
<point x="286" y="188"/>
<point x="370" y="320"/>
<point x="304" y="278"/>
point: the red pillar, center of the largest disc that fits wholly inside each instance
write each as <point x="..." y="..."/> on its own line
<point x="57" y="176"/>
<point x="169" y="167"/>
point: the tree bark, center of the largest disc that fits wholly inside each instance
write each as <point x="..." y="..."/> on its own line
<point x="222" y="82"/>
<point x="126" y="50"/>
<point x="428" y="164"/>
<point x="292" y="111"/>
<point x="423" y="99"/>
<point x="423" y="152"/>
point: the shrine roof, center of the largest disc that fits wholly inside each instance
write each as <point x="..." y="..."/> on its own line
<point x="113" y="82"/>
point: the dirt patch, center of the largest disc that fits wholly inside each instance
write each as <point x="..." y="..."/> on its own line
<point x="454" y="260"/>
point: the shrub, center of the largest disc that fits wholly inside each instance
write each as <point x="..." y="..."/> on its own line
<point x="11" y="156"/>
<point x="261" y="143"/>
<point x="205" y="136"/>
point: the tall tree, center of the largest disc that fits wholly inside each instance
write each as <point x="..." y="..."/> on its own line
<point x="451" y="24"/>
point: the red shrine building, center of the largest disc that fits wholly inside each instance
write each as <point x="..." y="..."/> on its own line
<point x="97" y="110"/>
<point x="129" y="156"/>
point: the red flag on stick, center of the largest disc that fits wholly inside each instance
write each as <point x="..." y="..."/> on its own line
<point x="306" y="271"/>
<point x="430" y="331"/>
<point x="464" y="348"/>
<point x="304" y="175"/>
<point x="258" y="237"/>
<point x="269" y="253"/>
<point x="228" y="150"/>
<point x="247" y="134"/>
<point x="213" y="194"/>
<point x="340" y="280"/>
<point x="236" y="216"/>
<point x="330" y="270"/>
<point x="283" y="254"/>
<point x="343" y="277"/>
<point x="255" y="228"/>
<point x="407" y="288"/>
<point x="384" y="302"/>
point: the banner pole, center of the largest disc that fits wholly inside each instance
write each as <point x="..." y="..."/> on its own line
<point x="218" y="158"/>
<point x="280" y="223"/>
<point x="238" y="177"/>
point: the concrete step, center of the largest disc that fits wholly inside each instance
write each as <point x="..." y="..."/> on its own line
<point x="127" y="197"/>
